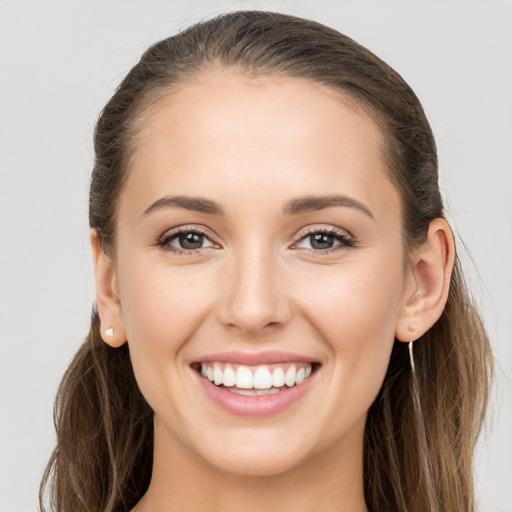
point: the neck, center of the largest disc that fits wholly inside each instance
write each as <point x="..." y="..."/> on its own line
<point x="328" y="481"/>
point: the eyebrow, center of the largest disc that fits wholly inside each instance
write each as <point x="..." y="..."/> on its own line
<point x="293" y="207"/>
<point x="196" y="204"/>
<point x="312" y="203"/>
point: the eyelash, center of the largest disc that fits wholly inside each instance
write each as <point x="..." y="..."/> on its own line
<point x="165" y="240"/>
<point x="346" y="240"/>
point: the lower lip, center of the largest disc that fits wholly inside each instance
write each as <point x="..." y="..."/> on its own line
<point x="263" y="405"/>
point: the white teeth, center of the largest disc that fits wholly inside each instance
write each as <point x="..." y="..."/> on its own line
<point x="271" y="391"/>
<point x="218" y="374"/>
<point x="278" y="378"/>
<point x="290" y="377"/>
<point x="301" y="375"/>
<point x="246" y="392"/>
<point x="254" y="392"/>
<point x="229" y="376"/>
<point x="244" y="378"/>
<point x="262" y="378"/>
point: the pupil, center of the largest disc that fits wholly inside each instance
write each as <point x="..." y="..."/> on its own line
<point x="322" y="241"/>
<point x="191" y="240"/>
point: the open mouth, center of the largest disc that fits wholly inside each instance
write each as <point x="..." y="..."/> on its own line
<point x="258" y="380"/>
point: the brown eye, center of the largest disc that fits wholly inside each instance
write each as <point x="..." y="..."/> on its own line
<point x="321" y="241"/>
<point x="190" y="240"/>
<point x="183" y="240"/>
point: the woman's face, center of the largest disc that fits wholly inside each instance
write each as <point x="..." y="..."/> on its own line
<point x="259" y="238"/>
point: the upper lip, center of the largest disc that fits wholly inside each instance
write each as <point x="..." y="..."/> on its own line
<point x="255" y="358"/>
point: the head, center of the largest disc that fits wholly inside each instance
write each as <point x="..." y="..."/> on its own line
<point x="192" y="119"/>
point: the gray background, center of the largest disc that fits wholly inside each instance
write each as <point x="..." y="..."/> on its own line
<point x="60" y="61"/>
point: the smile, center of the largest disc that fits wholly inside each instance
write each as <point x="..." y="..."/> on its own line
<point x="255" y="384"/>
<point x="256" y="380"/>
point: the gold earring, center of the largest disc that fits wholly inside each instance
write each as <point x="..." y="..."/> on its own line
<point x="109" y="332"/>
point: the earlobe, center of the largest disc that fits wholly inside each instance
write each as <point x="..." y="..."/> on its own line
<point x="429" y="283"/>
<point x="112" y="327"/>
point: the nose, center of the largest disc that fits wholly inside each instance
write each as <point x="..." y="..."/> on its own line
<point x="255" y="297"/>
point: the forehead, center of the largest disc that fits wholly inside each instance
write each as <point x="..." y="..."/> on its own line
<point x="227" y="131"/>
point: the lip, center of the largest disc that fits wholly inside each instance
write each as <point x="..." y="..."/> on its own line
<point x="255" y="406"/>
<point x="255" y="358"/>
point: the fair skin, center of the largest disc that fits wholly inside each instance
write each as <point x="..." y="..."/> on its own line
<point x="257" y="282"/>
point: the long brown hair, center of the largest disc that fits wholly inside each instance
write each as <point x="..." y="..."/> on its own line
<point x="422" y="428"/>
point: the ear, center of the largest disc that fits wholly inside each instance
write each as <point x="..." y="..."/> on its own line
<point x="112" y="326"/>
<point x="428" y="283"/>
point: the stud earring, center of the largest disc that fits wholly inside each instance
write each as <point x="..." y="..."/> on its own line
<point x="411" y="329"/>
<point x="109" y="332"/>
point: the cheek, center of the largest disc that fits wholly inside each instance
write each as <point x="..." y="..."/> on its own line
<point x="161" y="302"/>
<point x="352" y="304"/>
<point x="162" y="307"/>
<point x="355" y="312"/>
<point x="152" y="310"/>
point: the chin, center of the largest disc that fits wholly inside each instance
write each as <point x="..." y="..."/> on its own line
<point x="256" y="452"/>
<point x="255" y="463"/>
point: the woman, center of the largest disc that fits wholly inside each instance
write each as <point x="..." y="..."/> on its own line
<point x="281" y="319"/>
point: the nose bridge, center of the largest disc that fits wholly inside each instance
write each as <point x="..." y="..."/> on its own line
<point x="255" y="297"/>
